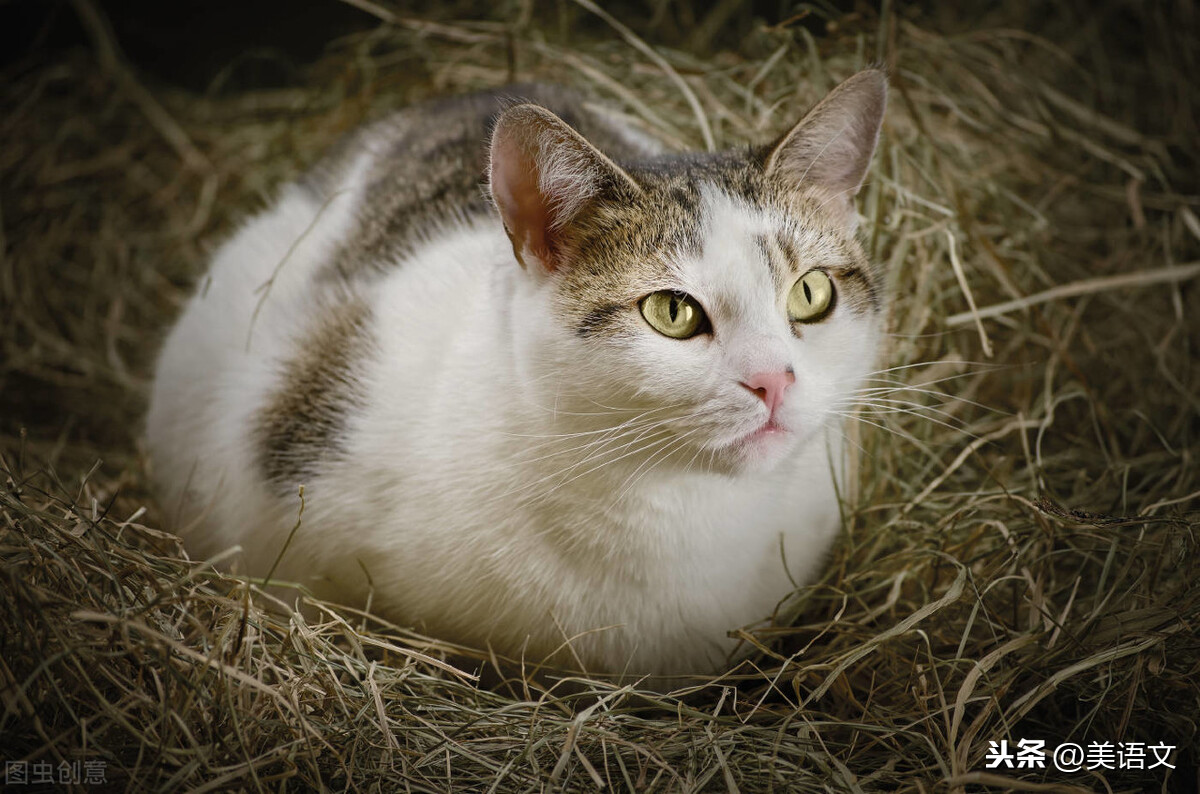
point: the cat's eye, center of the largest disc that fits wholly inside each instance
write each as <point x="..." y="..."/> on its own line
<point x="810" y="297"/>
<point x="674" y="314"/>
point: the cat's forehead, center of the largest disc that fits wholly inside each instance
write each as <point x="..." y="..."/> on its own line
<point x="710" y="225"/>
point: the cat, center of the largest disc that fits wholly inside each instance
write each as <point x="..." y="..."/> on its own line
<point x="548" y="388"/>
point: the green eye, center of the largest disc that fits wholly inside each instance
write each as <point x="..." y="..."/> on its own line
<point x="810" y="297"/>
<point x="673" y="314"/>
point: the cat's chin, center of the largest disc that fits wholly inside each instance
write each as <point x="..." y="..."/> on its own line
<point x="760" y="450"/>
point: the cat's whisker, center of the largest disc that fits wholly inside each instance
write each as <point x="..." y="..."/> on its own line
<point x="958" y="428"/>
<point x="907" y="438"/>
<point x="688" y="466"/>
<point x="602" y="449"/>
<point x="882" y="382"/>
<point x="890" y="393"/>
<point x="554" y="443"/>
<point x="886" y="405"/>
<point x="890" y="387"/>
<point x="622" y="457"/>
<point x="977" y="366"/>
<point x="607" y="410"/>
<point x="595" y="431"/>
<point x="876" y="394"/>
<point x="645" y="415"/>
<point x="651" y="462"/>
<point x="894" y="431"/>
<point x="930" y="335"/>
<point x="848" y="440"/>
<point x="612" y="435"/>
<point x="647" y="446"/>
<point x="891" y="383"/>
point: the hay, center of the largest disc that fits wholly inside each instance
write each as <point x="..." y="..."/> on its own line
<point x="1020" y="554"/>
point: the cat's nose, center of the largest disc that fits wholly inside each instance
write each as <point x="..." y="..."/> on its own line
<point x="770" y="386"/>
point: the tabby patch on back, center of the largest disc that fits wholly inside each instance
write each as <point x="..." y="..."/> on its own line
<point x="547" y="388"/>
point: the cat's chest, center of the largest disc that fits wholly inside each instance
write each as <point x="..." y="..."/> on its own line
<point x="696" y="526"/>
<point x="709" y="555"/>
<point x="670" y="535"/>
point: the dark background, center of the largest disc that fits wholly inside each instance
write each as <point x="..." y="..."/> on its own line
<point x="1138" y="65"/>
<point x="229" y="45"/>
<point x="187" y="42"/>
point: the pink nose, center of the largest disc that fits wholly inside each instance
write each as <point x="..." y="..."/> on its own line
<point x="770" y="386"/>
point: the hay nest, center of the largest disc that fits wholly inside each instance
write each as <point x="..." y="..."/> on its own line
<point x="1019" y="558"/>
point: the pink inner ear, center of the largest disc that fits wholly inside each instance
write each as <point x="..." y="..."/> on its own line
<point x="524" y="209"/>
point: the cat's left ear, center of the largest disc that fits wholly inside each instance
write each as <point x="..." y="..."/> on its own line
<point x="542" y="173"/>
<point x="832" y="145"/>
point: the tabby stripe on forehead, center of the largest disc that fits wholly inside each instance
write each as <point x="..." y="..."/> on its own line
<point x="302" y="425"/>
<point x="764" y="248"/>
<point x="776" y="258"/>
<point x="791" y="257"/>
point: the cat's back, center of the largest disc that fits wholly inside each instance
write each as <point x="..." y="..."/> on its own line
<point x="375" y="203"/>
<point x="262" y="369"/>
<point x="428" y="164"/>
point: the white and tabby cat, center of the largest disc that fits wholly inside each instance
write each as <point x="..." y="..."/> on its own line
<point x="598" y="405"/>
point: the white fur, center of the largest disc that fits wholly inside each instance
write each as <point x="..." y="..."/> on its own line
<point x="464" y="498"/>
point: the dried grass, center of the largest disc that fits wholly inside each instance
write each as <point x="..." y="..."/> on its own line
<point x="1020" y="553"/>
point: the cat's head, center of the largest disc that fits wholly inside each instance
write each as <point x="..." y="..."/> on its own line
<point x="717" y="303"/>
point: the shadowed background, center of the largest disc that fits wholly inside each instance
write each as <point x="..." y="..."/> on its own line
<point x="1019" y="559"/>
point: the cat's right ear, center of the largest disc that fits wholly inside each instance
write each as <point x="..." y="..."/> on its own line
<point x="833" y="144"/>
<point x="541" y="173"/>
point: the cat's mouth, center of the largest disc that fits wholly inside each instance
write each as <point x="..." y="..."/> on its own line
<point x="762" y="447"/>
<point x="769" y="431"/>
